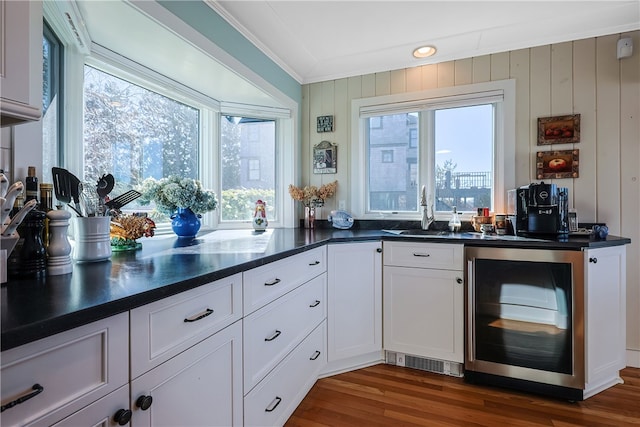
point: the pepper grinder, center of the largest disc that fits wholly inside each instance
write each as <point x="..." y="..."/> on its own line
<point x="59" y="248"/>
<point x="32" y="258"/>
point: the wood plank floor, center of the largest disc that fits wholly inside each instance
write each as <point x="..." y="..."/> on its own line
<point x="384" y="395"/>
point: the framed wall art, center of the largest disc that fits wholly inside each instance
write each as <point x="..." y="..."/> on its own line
<point x="324" y="124"/>
<point x="559" y="130"/>
<point x="557" y="164"/>
<point x="325" y="157"/>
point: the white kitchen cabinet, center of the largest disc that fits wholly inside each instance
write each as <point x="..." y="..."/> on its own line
<point x="273" y="401"/>
<point x="262" y="285"/>
<point x="165" y="328"/>
<point x="74" y="369"/>
<point x="423" y="301"/>
<point x="110" y="411"/>
<point x="605" y="317"/>
<point x="354" y="316"/>
<point x="20" y="61"/>
<point x="201" y="386"/>
<point x="273" y="331"/>
<point x="284" y="345"/>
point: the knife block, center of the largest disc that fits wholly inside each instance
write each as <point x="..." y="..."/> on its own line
<point x="6" y="247"/>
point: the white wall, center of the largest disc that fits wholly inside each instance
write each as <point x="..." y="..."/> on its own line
<point x="582" y="76"/>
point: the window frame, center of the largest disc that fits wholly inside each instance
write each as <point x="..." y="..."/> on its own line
<point x="210" y="112"/>
<point x="57" y="77"/>
<point x="478" y="93"/>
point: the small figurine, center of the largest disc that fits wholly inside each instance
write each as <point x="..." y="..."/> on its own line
<point x="260" y="216"/>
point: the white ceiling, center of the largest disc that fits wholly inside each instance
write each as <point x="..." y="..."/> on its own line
<point x="323" y="40"/>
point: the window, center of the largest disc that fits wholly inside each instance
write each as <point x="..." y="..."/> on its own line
<point x="248" y="153"/>
<point x="387" y="156"/>
<point x="52" y="52"/>
<point x="254" y="169"/>
<point x="135" y="133"/>
<point x="449" y="140"/>
<point x="464" y="157"/>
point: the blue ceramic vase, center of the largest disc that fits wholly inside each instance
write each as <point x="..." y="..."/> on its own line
<point x="185" y="223"/>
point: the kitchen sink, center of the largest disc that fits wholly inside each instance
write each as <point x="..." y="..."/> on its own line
<point x="419" y="232"/>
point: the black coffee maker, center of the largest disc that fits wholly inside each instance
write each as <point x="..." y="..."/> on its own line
<point x="539" y="209"/>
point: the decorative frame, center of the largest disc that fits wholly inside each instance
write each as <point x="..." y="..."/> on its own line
<point x="325" y="157"/>
<point x="559" y="129"/>
<point x="557" y="164"/>
<point x="324" y="124"/>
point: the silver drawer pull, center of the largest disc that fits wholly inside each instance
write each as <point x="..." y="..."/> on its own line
<point x="274" y="282"/>
<point x="314" y="263"/>
<point x="315" y="355"/>
<point x="315" y="304"/>
<point x="274" y="336"/>
<point x="37" y="389"/>
<point x="273" y="404"/>
<point x="199" y="316"/>
<point x="422" y="255"/>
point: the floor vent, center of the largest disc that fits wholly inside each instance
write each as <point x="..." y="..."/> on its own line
<point x="445" y="367"/>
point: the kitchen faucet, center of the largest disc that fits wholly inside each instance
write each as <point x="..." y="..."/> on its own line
<point x="427" y="219"/>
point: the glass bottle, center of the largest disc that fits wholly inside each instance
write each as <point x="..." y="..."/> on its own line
<point x="454" y="222"/>
<point x="31" y="184"/>
<point x="46" y="205"/>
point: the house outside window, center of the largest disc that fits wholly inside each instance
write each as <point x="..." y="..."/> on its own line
<point x="248" y="167"/>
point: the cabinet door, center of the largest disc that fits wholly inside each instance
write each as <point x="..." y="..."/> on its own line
<point x="354" y="299"/>
<point x="199" y="387"/>
<point x="605" y="313"/>
<point x="423" y="312"/>
<point x="20" y="61"/>
<point x="101" y="413"/>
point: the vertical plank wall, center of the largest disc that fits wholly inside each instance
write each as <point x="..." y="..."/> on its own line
<point x="583" y="76"/>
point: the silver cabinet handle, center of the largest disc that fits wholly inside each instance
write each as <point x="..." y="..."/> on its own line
<point x="422" y="255"/>
<point x="273" y="404"/>
<point x="315" y="355"/>
<point x="273" y="282"/>
<point x="315" y="304"/>
<point x="274" y="336"/>
<point x="314" y="263"/>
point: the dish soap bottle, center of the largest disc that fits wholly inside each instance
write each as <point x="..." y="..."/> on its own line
<point x="454" y="222"/>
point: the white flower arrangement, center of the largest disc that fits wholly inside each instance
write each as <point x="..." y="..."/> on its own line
<point x="175" y="192"/>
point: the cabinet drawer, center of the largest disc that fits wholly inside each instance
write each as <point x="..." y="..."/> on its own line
<point x="164" y="328"/>
<point x="273" y="401"/>
<point x="442" y="256"/>
<point x="266" y="283"/>
<point x="74" y="368"/>
<point x="271" y="332"/>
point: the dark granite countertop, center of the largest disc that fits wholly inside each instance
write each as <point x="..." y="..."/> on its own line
<point x="166" y="265"/>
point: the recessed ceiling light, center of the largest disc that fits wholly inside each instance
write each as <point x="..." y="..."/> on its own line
<point x="424" y="51"/>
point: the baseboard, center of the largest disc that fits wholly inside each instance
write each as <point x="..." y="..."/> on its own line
<point x="633" y="358"/>
<point x="351" y="364"/>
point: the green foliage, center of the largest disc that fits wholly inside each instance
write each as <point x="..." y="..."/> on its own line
<point x="239" y="204"/>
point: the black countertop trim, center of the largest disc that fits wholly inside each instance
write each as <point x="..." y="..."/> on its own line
<point x="32" y="309"/>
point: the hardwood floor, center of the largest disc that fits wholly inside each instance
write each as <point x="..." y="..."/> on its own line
<point x="384" y="395"/>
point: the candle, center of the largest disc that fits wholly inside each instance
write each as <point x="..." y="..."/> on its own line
<point x="423" y="198"/>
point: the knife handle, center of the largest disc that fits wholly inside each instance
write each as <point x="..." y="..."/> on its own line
<point x="18" y="218"/>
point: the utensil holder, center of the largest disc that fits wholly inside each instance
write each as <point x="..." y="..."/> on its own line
<point x="92" y="240"/>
